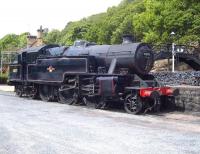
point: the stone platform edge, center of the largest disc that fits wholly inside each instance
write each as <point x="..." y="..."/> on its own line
<point x="188" y="99"/>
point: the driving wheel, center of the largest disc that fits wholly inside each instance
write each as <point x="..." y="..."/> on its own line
<point x="34" y="94"/>
<point x="67" y="96"/>
<point x="46" y="93"/>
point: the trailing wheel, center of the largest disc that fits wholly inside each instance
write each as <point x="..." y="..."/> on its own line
<point x="19" y="90"/>
<point x="46" y="93"/>
<point x="133" y="104"/>
<point x="34" y="94"/>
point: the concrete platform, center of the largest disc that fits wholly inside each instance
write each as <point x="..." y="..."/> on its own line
<point x="35" y="127"/>
<point x="7" y="88"/>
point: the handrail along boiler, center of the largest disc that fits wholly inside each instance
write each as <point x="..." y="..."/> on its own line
<point x="90" y="74"/>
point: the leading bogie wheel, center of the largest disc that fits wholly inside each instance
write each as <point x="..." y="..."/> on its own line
<point x="19" y="90"/>
<point x="133" y="104"/>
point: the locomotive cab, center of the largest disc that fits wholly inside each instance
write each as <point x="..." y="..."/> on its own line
<point x="18" y="69"/>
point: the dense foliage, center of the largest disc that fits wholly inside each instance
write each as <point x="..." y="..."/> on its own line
<point x="148" y="20"/>
<point x="13" y="42"/>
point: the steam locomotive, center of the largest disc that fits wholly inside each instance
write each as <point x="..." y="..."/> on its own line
<point x="90" y="74"/>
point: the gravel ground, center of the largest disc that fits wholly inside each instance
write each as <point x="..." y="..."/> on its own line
<point x="179" y="78"/>
<point x="36" y="127"/>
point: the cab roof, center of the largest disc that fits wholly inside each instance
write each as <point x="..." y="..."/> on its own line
<point x="39" y="48"/>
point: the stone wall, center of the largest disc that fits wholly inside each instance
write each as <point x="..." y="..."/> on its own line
<point x="189" y="98"/>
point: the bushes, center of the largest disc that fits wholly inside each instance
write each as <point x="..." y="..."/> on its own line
<point x="3" y="78"/>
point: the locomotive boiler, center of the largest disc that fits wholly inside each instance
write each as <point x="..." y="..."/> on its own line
<point x="136" y="57"/>
<point x="90" y="74"/>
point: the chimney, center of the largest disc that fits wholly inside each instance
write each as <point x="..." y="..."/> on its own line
<point x="31" y="40"/>
<point x="40" y="33"/>
<point x="127" y="38"/>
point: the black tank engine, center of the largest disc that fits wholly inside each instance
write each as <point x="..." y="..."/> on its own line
<point x="90" y="74"/>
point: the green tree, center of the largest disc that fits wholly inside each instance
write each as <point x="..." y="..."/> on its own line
<point x="148" y="20"/>
<point x="13" y="42"/>
<point x="52" y="37"/>
<point x="162" y="17"/>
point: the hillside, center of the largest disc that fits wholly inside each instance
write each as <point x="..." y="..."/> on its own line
<point x="148" y="20"/>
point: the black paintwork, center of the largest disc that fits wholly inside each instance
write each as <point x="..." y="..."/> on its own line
<point x="138" y="57"/>
<point x="28" y="57"/>
<point x="54" y="69"/>
<point x="15" y="72"/>
<point x="51" y="63"/>
<point x="84" y="72"/>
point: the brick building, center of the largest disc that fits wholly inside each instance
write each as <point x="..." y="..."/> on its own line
<point x="33" y="41"/>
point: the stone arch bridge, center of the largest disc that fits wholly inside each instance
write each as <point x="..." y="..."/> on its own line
<point x="187" y="54"/>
